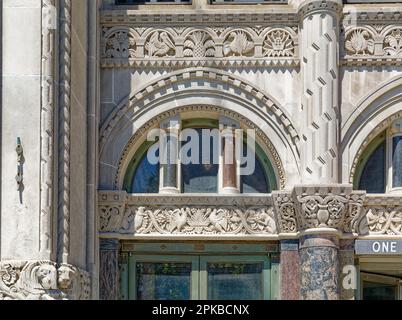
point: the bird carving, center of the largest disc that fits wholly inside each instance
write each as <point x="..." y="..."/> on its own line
<point x="178" y="220"/>
<point x="238" y="44"/>
<point x="360" y="43"/>
<point x="218" y="220"/>
<point x="159" y="45"/>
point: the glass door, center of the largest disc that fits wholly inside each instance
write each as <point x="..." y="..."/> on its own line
<point x="235" y="278"/>
<point x="380" y="287"/>
<point x="163" y="278"/>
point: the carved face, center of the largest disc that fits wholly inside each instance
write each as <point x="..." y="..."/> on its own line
<point x="65" y="277"/>
<point x="46" y="276"/>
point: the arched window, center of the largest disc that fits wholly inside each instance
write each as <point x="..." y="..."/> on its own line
<point x="379" y="170"/>
<point x="143" y="176"/>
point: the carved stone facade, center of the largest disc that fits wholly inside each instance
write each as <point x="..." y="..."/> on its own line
<point x="84" y="82"/>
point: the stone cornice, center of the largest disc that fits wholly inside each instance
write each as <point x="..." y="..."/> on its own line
<point x="378" y="15"/>
<point x="191" y="17"/>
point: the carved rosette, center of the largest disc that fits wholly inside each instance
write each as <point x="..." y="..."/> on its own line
<point x="43" y="280"/>
<point x="334" y="207"/>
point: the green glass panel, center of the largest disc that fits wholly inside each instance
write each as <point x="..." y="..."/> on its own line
<point x="379" y="291"/>
<point x="235" y="281"/>
<point x="163" y="281"/>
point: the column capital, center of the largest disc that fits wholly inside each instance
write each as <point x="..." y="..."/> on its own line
<point x="328" y="209"/>
<point x="309" y="7"/>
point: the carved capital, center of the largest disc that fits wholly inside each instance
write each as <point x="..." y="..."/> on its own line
<point x="309" y="7"/>
<point x="331" y="207"/>
<point x="42" y="280"/>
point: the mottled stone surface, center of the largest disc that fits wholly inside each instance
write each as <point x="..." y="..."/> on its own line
<point x="290" y="270"/>
<point x="346" y="265"/>
<point x="109" y="269"/>
<point x="319" y="268"/>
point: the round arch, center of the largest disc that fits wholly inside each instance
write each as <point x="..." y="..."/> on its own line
<point x="203" y="90"/>
<point x="372" y="115"/>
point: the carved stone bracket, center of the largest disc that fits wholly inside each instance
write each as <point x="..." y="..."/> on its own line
<point x="42" y="280"/>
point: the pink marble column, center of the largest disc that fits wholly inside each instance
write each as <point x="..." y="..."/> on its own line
<point x="290" y="270"/>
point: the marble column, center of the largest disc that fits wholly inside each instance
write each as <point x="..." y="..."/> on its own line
<point x="230" y="179"/>
<point x="169" y="153"/>
<point x="319" y="267"/>
<point x="319" y="112"/>
<point x="290" y="272"/>
<point x="109" y="282"/>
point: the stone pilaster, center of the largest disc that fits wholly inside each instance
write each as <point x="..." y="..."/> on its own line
<point x="320" y="97"/>
<point x="290" y="270"/>
<point x="109" y="282"/>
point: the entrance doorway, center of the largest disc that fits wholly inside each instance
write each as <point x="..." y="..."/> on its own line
<point x="218" y="273"/>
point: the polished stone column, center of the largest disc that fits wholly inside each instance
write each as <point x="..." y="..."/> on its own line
<point x="230" y="179"/>
<point x="109" y="281"/>
<point x="319" y="267"/>
<point x="290" y="270"/>
<point x="169" y="153"/>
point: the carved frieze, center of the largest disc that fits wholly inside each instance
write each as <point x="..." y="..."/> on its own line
<point x="373" y="44"/>
<point x="166" y="215"/>
<point x="307" y="207"/>
<point x="129" y="46"/>
<point x="42" y="280"/>
<point x="383" y="216"/>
